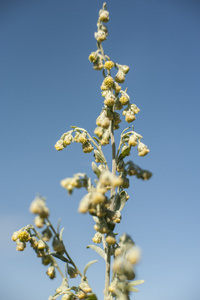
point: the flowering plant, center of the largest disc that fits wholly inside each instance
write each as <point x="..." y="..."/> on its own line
<point x="105" y="198"/>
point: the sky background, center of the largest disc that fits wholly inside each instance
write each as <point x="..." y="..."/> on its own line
<point x="47" y="84"/>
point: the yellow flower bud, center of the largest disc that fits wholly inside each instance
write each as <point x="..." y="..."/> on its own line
<point x="20" y="245"/>
<point x="41" y="245"/>
<point x="82" y="138"/>
<point x="39" y="222"/>
<point x="132" y="140"/>
<point x="104" y="16"/>
<point x="109" y="65"/>
<point x="130" y="117"/>
<point x="51" y="272"/>
<point x="24" y="236"/>
<point x="15" y="236"/>
<point x="87" y="147"/>
<point x="120" y="77"/>
<point x="108" y="81"/>
<point x="98" y="198"/>
<point x="97" y="238"/>
<point x="98" y="131"/>
<point x="93" y="57"/>
<point x="142" y="149"/>
<point x="59" y="145"/>
<point x="133" y="255"/>
<point x="105" y="123"/>
<point x="110" y="239"/>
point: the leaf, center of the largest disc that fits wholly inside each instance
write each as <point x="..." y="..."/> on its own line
<point x="120" y="201"/>
<point x="135" y="282"/>
<point x="98" y="250"/>
<point x="59" y="221"/>
<point x="60" y="257"/>
<point x="91" y="297"/>
<point x="61" y="233"/>
<point x="95" y="169"/>
<point x="88" y="265"/>
<point x="132" y="289"/>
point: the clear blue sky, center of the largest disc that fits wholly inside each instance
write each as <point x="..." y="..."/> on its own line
<point x="48" y="84"/>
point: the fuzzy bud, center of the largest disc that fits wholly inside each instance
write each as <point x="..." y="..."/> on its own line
<point x="39" y="222"/>
<point x="100" y="36"/>
<point x="87" y="147"/>
<point x="133" y="255"/>
<point x="24" y="236"/>
<point x="110" y="239"/>
<point x="15" y="236"/>
<point x="57" y="245"/>
<point x="59" y="145"/>
<point x="109" y="65"/>
<point x="120" y="76"/>
<point x="133" y="140"/>
<point x="142" y="149"/>
<point x="130" y="117"/>
<point x="51" y="272"/>
<point x="97" y="238"/>
<point x="103" y="15"/>
<point x="72" y="272"/>
<point x="20" y="245"/>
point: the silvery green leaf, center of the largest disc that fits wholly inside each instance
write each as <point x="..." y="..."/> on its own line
<point x="132" y="289"/>
<point x="59" y="221"/>
<point x="124" y="153"/>
<point x="135" y="282"/>
<point x="61" y="233"/>
<point x="88" y="265"/>
<point x="120" y="201"/>
<point x="95" y="169"/>
<point x="98" y="250"/>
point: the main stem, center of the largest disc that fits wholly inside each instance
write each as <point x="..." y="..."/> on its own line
<point x="112" y="194"/>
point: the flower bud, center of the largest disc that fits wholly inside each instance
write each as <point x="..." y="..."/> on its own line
<point x="34" y="242"/>
<point x="130" y="117"/>
<point x="39" y="222"/>
<point x="108" y="81"/>
<point x="72" y="272"/>
<point x="98" y="65"/>
<point x="124" y="99"/>
<point x="142" y="149"/>
<point x="51" y="272"/>
<point x="81" y="295"/>
<point x="15" y="236"/>
<point x="84" y="286"/>
<point x="87" y="147"/>
<point x="46" y="235"/>
<point x="59" y="145"/>
<point x="105" y="123"/>
<point x="109" y="65"/>
<point x="133" y="255"/>
<point x="98" y="198"/>
<point x="67" y="140"/>
<point x="110" y="239"/>
<point x="85" y="204"/>
<point x="98" y="131"/>
<point x="41" y="245"/>
<point x="24" y="236"/>
<point x="120" y="76"/>
<point x="133" y="140"/>
<point x="100" y="36"/>
<point x="20" y="245"/>
<point x="82" y="138"/>
<point x="93" y="56"/>
<point x="97" y="238"/>
<point x="57" y="245"/>
<point x="46" y="260"/>
<point x="103" y="15"/>
<point x="124" y="68"/>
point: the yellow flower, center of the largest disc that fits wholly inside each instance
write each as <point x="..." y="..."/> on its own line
<point x="109" y="65"/>
<point x="59" y="145"/>
<point x="24" y="236"/>
<point x="108" y="81"/>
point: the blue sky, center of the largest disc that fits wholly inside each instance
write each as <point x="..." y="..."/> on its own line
<point x="48" y="84"/>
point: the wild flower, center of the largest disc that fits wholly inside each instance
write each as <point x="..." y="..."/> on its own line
<point x="105" y="197"/>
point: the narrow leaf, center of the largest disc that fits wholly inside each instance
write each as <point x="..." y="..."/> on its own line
<point x="135" y="282"/>
<point x="98" y="250"/>
<point x="88" y="265"/>
<point x="120" y="201"/>
<point x="61" y="233"/>
<point x="132" y="289"/>
<point x="95" y="169"/>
